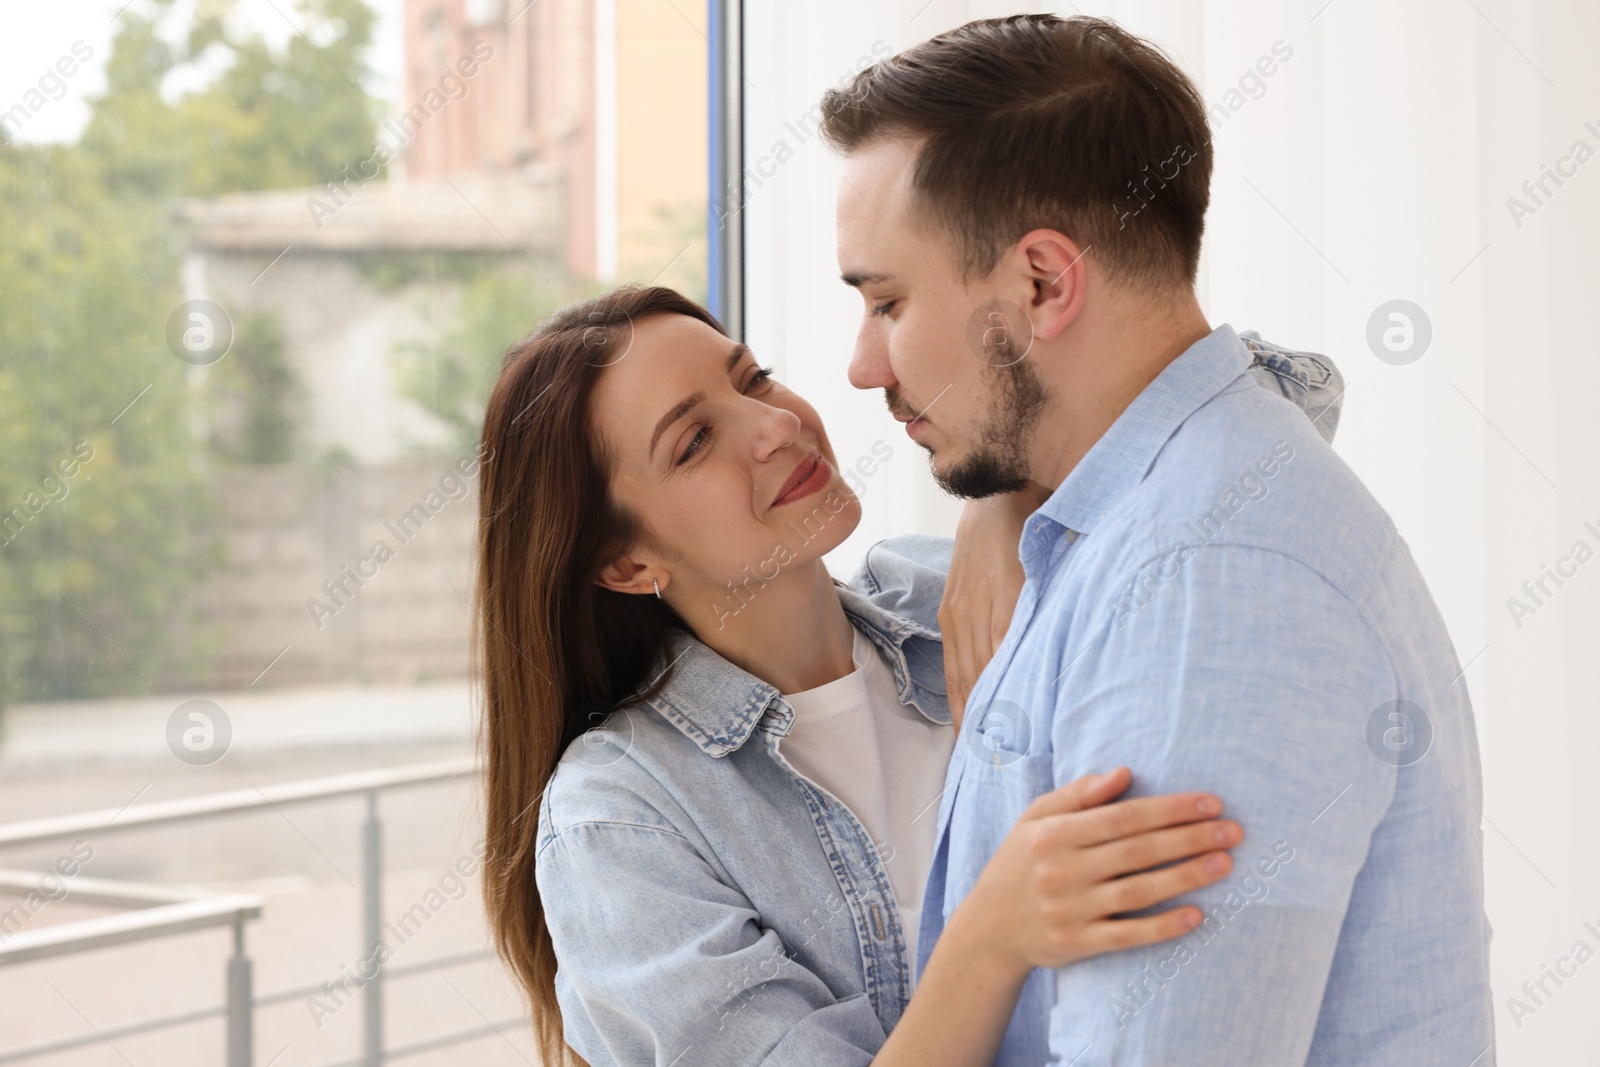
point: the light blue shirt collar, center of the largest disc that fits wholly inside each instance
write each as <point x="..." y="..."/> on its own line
<point x="1122" y="458"/>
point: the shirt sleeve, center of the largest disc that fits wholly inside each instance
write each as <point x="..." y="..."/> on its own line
<point x="663" y="963"/>
<point x="1244" y="672"/>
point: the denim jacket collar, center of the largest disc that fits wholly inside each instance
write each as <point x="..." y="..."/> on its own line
<point x="718" y="705"/>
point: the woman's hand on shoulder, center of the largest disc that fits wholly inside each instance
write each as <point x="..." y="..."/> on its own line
<point x="1074" y="862"/>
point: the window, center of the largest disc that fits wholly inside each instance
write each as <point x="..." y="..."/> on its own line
<point x="260" y="265"/>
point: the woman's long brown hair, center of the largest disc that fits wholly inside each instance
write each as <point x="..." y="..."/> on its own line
<point x="557" y="652"/>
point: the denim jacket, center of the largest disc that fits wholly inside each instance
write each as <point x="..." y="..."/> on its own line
<point x="709" y="905"/>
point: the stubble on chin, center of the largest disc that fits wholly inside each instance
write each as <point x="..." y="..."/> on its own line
<point x="998" y="461"/>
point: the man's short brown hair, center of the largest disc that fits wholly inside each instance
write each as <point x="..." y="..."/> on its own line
<point x="1037" y="121"/>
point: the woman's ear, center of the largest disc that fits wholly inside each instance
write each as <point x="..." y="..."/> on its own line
<point x="628" y="576"/>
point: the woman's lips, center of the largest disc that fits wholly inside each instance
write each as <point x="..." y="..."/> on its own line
<point x="810" y="475"/>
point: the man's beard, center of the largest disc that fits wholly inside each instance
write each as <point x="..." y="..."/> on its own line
<point x="998" y="462"/>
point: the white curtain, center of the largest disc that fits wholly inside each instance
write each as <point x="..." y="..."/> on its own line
<point x="1383" y="158"/>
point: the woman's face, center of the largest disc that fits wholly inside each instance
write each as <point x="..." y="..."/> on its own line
<point x="730" y="471"/>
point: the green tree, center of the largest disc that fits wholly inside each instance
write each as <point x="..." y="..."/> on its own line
<point x="95" y="566"/>
<point x="251" y="396"/>
<point x="270" y="120"/>
<point x="450" y="373"/>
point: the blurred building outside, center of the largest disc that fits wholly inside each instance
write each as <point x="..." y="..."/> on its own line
<point x="537" y="152"/>
<point x="563" y="143"/>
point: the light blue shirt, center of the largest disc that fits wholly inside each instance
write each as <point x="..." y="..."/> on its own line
<point x="1215" y="600"/>
<point x="708" y="904"/>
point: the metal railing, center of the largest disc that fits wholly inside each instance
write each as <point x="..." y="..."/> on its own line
<point x="164" y="911"/>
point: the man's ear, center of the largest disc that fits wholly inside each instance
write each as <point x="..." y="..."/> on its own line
<point x="1055" y="268"/>
<point x="628" y="575"/>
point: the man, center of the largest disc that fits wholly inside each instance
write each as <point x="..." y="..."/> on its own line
<point x="1212" y="597"/>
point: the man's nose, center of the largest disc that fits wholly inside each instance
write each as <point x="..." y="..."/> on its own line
<point x="869" y="364"/>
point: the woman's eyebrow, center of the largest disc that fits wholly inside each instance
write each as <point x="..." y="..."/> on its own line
<point x="687" y="404"/>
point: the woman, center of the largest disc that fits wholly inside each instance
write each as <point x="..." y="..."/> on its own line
<point x="729" y="855"/>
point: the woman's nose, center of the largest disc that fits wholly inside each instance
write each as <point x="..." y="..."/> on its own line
<point x="776" y="430"/>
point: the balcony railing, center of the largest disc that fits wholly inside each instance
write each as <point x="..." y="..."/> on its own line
<point x="163" y="911"/>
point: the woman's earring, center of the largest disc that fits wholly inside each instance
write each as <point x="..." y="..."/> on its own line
<point x="658" y="588"/>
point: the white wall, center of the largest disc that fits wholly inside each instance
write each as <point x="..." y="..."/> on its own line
<point x="1375" y="164"/>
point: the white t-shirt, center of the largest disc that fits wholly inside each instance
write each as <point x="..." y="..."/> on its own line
<point x="884" y="761"/>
